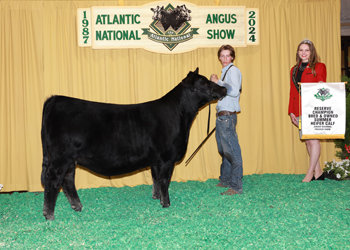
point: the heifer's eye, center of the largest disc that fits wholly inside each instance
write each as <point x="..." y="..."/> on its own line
<point x="201" y="86"/>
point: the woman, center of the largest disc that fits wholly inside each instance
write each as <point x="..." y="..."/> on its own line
<point x="308" y="68"/>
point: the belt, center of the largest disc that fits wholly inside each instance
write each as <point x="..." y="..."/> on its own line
<point x="221" y="113"/>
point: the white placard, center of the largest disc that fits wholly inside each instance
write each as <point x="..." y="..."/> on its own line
<point x="323" y="110"/>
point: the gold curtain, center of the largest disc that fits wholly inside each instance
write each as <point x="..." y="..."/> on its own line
<point x="40" y="58"/>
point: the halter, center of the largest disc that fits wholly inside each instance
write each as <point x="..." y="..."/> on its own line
<point x="195" y="89"/>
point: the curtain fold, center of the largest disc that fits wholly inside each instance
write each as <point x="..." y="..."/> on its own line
<point x="40" y="58"/>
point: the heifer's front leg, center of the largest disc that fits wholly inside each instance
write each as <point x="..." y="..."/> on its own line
<point x="69" y="189"/>
<point x="164" y="179"/>
<point x="156" y="186"/>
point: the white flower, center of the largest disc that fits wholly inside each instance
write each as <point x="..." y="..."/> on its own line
<point x="1" y="186"/>
<point x="338" y="176"/>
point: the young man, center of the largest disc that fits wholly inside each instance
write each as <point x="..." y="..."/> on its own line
<point x="231" y="171"/>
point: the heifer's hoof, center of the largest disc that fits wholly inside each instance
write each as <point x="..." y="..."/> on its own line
<point x="77" y="208"/>
<point x="49" y="217"/>
<point x="165" y="202"/>
<point x="166" y="205"/>
<point x="156" y="197"/>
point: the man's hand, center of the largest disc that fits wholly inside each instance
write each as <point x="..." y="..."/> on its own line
<point x="214" y="78"/>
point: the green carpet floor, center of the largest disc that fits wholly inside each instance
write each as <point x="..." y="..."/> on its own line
<point x="275" y="211"/>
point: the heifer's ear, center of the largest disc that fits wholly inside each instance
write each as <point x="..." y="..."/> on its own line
<point x="188" y="81"/>
<point x="196" y="71"/>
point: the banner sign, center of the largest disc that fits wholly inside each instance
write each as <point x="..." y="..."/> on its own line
<point x="323" y="110"/>
<point x="167" y="27"/>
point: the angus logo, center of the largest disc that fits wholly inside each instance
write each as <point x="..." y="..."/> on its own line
<point x="170" y="25"/>
<point x="323" y="94"/>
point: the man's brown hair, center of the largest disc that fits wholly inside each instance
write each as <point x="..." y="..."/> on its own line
<point x="227" y="47"/>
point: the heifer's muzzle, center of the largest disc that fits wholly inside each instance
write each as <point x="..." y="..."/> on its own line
<point x="217" y="92"/>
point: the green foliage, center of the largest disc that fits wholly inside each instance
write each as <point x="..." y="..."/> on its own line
<point x="340" y="143"/>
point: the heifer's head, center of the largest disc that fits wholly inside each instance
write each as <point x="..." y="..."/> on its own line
<point x="202" y="88"/>
<point x="183" y="13"/>
<point x="157" y="13"/>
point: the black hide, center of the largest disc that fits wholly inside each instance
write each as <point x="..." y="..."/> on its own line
<point x="112" y="139"/>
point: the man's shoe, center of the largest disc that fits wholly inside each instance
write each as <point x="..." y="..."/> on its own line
<point x="229" y="192"/>
<point x="220" y="185"/>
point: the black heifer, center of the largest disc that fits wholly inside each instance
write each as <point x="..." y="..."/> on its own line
<point x="112" y="139"/>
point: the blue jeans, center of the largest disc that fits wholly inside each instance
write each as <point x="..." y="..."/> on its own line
<point x="231" y="170"/>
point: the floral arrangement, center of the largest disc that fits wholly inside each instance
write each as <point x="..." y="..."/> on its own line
<point x="1" y="186"/>
<point x="347" y="148"/>
<point x="340" y="169"/>
<point x="344" y="152"/>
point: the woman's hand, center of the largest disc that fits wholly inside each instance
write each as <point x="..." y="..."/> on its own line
<point x="294" y="119"/>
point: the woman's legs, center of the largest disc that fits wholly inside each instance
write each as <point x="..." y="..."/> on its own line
<point x="314" y="150"/>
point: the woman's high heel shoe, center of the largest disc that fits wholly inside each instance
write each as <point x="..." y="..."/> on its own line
<point x="321" y="177"/>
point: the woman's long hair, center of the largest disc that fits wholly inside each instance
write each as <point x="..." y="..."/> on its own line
<point x="314" y="58"/>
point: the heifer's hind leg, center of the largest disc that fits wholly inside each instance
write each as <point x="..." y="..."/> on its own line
<point x="52" y="178"/>
<point x="69" y="189"/>
<point x="156" y="185"/>
<point x="164" y="179"/>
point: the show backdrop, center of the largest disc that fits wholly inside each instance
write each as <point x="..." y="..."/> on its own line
<point x="41" y="56"/>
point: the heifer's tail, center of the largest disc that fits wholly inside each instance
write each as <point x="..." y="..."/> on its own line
<point x="46" y="111"/>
